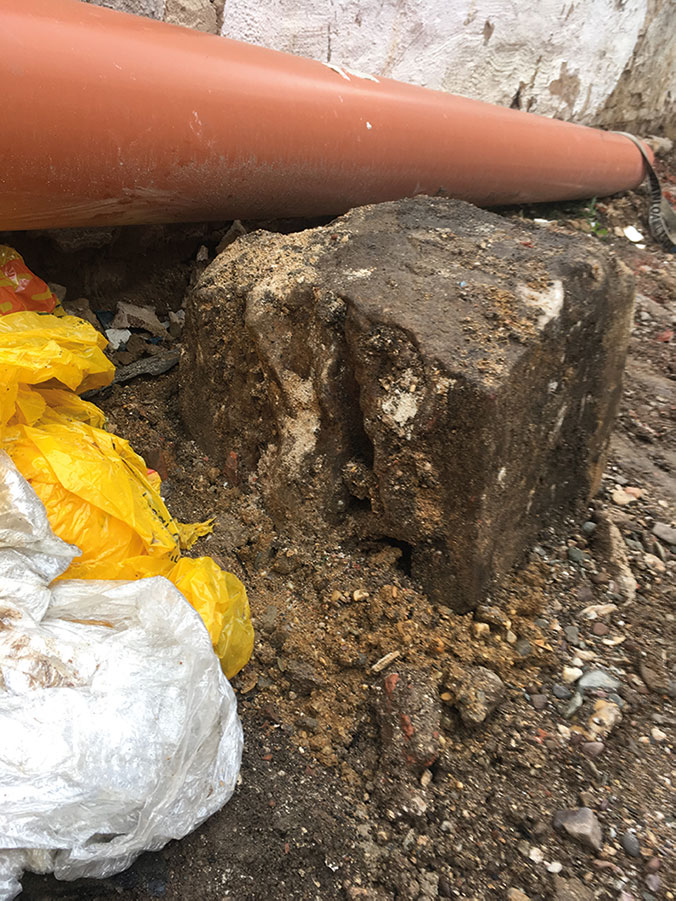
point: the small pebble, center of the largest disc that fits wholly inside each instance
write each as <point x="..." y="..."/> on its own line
<point x="592" y="749"/>
<point x="597" y="678"/>
<point x="588" y="527"/>
<point x="600" y="629"/>
<point x="515" y="894"/>
<point x="575" y="555"/>
<point x="571" y="674"/>
<point x="554" y="867"/>
<point x="538" y="701"/>
<point x="653" y="865"/>
<point x="574" y="705"/>
<point x="654" y="563"/>
<point x="630" y="844"/>
<point x="481" y="630"/>
<point x="572" y="634"/>
<point x="632" y="234"/>
<point x="523" y="647"/>
<point x="665" y="533"/>
<point x="562" y="693"/>
<point x="621" y="498"/>
<point x="658" y="734"/>
<point x="653" y="882"/>
<point x="585" y="594"/>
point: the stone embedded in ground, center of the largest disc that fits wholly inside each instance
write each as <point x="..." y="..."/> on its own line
<point x="605" y="717"/>
<point x="419" y="370"/>
<point x="597" y="678"/>
<point x="409" y="713"/>
<point x="515" y="894"/>
<point x="655" y="675"/>
<point x="475" y="693"/>
<point x="609" y="545"/>
<point x="630" y="844"/>
<point x="571" y="890"/>
<point x="593" y="748"/>
<point x="665" y="533"/>
<point x="580" y="824"/>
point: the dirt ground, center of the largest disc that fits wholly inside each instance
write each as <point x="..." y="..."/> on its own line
<point x="333" y="802"/>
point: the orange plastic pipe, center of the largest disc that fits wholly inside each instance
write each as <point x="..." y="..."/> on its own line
<point x="111" y="119"/>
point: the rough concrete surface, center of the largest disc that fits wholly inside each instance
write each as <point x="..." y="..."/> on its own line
<point x="557" y="59"/>
<point x="609" y="62"/>
<point x="421" y="371"/>
<point x="204" y="15"/>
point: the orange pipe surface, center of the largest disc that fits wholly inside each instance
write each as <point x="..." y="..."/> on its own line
<point x="111" y="119"/>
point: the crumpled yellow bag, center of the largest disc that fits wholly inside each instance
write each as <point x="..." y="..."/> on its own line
<point x="97" y="491"/>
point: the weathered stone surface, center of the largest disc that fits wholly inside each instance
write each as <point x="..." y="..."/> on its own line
<point x="580" y="824"/>
<point x="609" y="545"/>
<point x="571" y="890"/>
<point x="200" y="14"/>
<point x="420" y="370"/>
<point x="475" y="693"/>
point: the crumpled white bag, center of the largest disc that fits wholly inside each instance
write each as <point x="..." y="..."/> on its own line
<point x="118" y="729"/>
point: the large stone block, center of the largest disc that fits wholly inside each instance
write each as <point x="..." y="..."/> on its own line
<point x="419" y="370"/>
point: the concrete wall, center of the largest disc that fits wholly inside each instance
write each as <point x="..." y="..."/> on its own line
<point x="611" y="62"/>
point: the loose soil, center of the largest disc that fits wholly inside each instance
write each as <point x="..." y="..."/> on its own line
<point x="324" y="810"/>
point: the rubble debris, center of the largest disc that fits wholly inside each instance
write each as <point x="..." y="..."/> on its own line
<point x="413" y="371"/>
<point x="130" y="316"/>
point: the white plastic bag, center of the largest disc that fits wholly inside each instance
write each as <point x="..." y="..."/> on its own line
<point x="118" y="729"/>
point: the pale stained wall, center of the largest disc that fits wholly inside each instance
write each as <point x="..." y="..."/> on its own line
<point x="592" y="61"/>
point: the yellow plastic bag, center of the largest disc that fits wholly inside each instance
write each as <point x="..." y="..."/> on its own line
<point x="39" y="348"/>
<point x="98" y="492"/>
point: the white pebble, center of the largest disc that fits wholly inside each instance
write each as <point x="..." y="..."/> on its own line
<point x="571" y="673"/>
<point x="632" y="234"/>
<point x="536" y="855"/>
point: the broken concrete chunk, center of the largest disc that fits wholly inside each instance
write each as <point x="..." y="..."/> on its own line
<point x="117" y="337"/>
<point x="418" y="370"/>
<point x="130" y="316"/>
